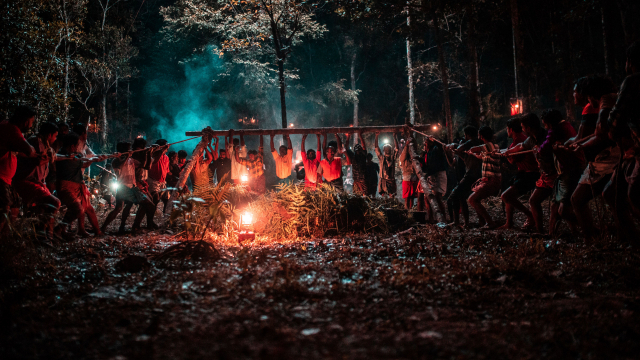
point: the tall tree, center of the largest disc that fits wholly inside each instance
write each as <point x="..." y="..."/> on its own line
<point x="252" y="28"/>
<point x="445" y="78"/>
<point x="474" y="96"/>
<point x="412" y="102"/>
<point x="31" y="35"/>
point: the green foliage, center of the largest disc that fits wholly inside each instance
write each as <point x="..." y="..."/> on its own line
<point x="208" y="208"/>
<point x="31" y="33"/>
<point x="294" y="212"/>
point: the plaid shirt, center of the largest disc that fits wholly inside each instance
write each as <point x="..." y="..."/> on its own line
<point x="490" y="161"/>
<point x="256" y="166"/>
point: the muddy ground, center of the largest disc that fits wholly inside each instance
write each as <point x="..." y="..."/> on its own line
<point x="426" y="293"/>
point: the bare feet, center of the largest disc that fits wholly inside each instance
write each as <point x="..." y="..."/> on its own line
<point x="490" y="226"/>
<point x="529" y="225"/>
<point x="505" y="227"/>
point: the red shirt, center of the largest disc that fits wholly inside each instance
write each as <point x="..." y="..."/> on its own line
<point x="526" y="162"/>
<point x="588" y="109"/>
<point x="331" y="171"/>
<point x="11" y="140"/>
<point x="310" y="171"/>
<point x="159" y="170"/>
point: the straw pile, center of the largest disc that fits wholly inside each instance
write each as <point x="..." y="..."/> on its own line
<point x="292" y="212"/>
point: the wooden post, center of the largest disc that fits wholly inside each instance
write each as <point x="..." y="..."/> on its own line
<point x="195" y="156"/>
<point x="417" y="166"/>
<point x="312" y="131"/>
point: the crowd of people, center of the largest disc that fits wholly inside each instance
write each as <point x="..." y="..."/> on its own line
<point x="549" y="158"/>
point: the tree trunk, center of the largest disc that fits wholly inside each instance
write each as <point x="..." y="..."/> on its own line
<point x="66" y="85"/>
<point x="477" y="63"/>
<point x="412" y="102"/>
<point x="445" y="80"/>
<point x="283" y="104"/>
<point x="518" y="53"/>
<point x="568" y="60"/>
<point x="609" y="53"/>
<point x="474" y="103"/>
<point x="103" y="117"/>
<point x="353" y="87"/>
<point x="128" y="115"/>
<point x="514" y="27"/>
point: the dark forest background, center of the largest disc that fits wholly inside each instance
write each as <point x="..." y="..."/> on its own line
<point x="140" y="67"/>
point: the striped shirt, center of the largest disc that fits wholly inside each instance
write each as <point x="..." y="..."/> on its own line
<point x="490" y="161"/>
<point x="256" y="166"/>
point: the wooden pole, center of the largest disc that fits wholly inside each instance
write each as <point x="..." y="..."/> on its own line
<point x="195" y="156"/>
<point x="422" y="177"/>
<point x="312" y="131"/>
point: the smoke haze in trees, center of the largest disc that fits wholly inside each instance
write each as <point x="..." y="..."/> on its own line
<point x="189" y="103"/>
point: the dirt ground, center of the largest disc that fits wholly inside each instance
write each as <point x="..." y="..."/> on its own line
<point x="425" y="293"/>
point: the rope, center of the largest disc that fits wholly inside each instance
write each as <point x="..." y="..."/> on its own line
<point x="429" y="136"/>
<point x="106" y="170"/>
<point x="148" y="148"/>
<point x="520" y="152"/>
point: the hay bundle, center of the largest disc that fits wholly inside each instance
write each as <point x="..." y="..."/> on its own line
<point x="294" y="212"/>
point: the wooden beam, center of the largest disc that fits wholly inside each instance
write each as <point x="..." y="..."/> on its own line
<point x="313" y="131"/>
<point x="195" y="156"/>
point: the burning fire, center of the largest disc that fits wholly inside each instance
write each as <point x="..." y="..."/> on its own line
<point x="246" y="219"/>
<point x="244" y="178"/>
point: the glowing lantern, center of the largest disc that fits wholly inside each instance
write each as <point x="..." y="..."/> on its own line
<point x="516" y="106"/>
<point x="246" y="221"/>
<point x="244" y="178"/>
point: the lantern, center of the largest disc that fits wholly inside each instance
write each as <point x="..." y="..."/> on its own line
<point x="246" y="219"/>
<point x="246" y="222"/>
<point x="516" y="106"/>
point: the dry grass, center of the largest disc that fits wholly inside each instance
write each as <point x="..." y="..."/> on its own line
<point x="293" y="212"/>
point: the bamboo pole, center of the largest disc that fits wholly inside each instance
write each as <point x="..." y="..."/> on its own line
<point x="422" y="177"/>
<point x="195" y="156"/>
<point x="312" y="131"/>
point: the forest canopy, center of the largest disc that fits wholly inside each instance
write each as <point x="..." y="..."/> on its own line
<point x="157" y="67"/>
